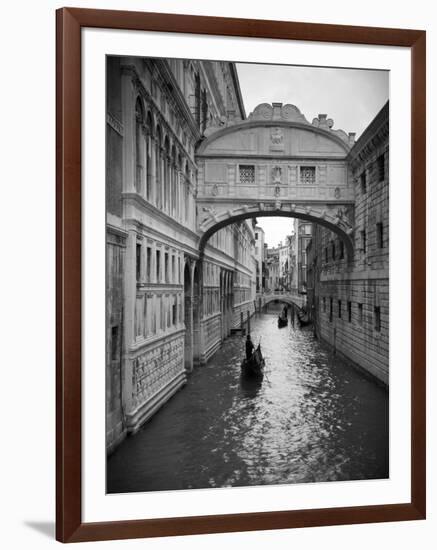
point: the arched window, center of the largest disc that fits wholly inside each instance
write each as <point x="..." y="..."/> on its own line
<point x="173" y="171"/>
<point x="149" y="145"/>
<point x="139" y="146"/>
<point x="187" y="192"/>
<point x="179" y="187"/>
<point x="197" y="100"/>
<point x="158" y="162"/>
<point x="166" y="180"/>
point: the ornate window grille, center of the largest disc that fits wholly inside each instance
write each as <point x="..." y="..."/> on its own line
<point x="308" y="175"/>
<point x="247" y="174"/>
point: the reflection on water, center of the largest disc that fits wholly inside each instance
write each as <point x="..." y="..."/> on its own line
<point x="312" y="418"/>
<point x="250" y="386"/>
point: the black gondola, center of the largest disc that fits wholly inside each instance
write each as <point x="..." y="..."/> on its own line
<point x="282" y="321"/>
<point x="255" y="365"/>
<point x="303" y="317"/>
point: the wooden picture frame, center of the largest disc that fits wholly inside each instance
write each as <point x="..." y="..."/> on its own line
<point x="69" y="524"/>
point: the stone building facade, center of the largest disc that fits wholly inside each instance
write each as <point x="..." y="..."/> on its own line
<point x="273" y="279"/>
<point x="292" y="283"/>
<point x="168" y="309"/>
<point x="303" y="231"/>
<point x="260" y="257"/>
<point x="349" y="298"/>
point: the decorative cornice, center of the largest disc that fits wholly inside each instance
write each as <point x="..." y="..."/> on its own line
<point x="115" y="124"/>
<point x="114" y="230"/>
<point x="370" y="147"/>
<point x="283" y="159"/>
<point x="151" y="209"/>
<point x="375" y="135"/>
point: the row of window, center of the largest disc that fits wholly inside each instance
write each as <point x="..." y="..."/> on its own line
<point x="211" y="301"/>
<point x="336" y="252"/>
<point x="166" y="268"/>
<point x="242" y="295"/>
<point x="234" y="242"/>
<point x="307" y="174"/>
<point x="247" y="174"/>
<point x="380" y="171"/>
<point x="159" y="163"/>
<point x="333" y="249"/>
<point x="348" y="312"/>
<point x="157" y="313"/>
<point x="200" y="104"/>
<point x="379" y="237"/>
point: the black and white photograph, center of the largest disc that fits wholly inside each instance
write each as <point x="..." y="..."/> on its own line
<point x="247" y="274"/>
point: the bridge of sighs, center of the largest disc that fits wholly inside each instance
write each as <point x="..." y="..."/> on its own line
<point x="276" y="163"/>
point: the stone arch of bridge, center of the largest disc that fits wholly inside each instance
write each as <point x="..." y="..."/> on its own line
<point x="330" y="221"/>
<point x="276" y="163"/>
<point x="283" y="299"/>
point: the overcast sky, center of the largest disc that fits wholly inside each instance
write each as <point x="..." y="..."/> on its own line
<point x="351" y="97"/>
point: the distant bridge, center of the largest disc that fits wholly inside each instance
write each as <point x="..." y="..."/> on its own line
<point x="288" y="297"/>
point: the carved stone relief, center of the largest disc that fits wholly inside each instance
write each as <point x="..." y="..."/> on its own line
<point x="276" y="174"/>
<point x="276" y="139"/>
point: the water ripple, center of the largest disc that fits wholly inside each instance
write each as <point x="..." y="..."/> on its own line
<point x="313" y="418"/>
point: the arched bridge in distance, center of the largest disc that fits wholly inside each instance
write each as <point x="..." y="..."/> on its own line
<point x="276" y="163"/>
<point x="290" y="298"/>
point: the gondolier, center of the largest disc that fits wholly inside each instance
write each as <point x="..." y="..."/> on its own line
<point x="253" y="364"/>
<point x="249" y="347"/>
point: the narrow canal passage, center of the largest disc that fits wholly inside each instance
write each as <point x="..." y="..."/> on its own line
<point x="313" y="418"/>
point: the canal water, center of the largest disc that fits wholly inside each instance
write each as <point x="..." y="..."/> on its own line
<point x="313" y="418"/>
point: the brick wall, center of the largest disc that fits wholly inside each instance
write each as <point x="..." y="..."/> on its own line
<point x="351" y="296"/>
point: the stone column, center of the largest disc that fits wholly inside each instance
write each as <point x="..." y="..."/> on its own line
<point x="196" y="313"/>
<point x="130" y="291"/>
<point x="153" y="194"/>
<point x="163" y="179"/>
<point x="171" y="197"/>
<point x="188" y="341"/>
<point x="166" y="183"/>
<point x="128" y="107"/>
<point x="158" y="186"/>
<point x="222" y="315"/>
<point x="179" y="196"/>
<point x="144" y="182"/>
<point x="174" y="191"/>
<point x="144" y="261"/>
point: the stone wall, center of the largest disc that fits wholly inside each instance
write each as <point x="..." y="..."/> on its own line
<point x="157" y="373"/>
<point x="349" y="322"/>
<point x="115" y="425"/>
<point x="351" y="295"/>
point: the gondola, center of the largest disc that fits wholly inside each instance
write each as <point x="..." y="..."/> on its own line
<point x="303" y="318"/>
<point x="282" y="321"/>
<point x="254" y="366"/>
